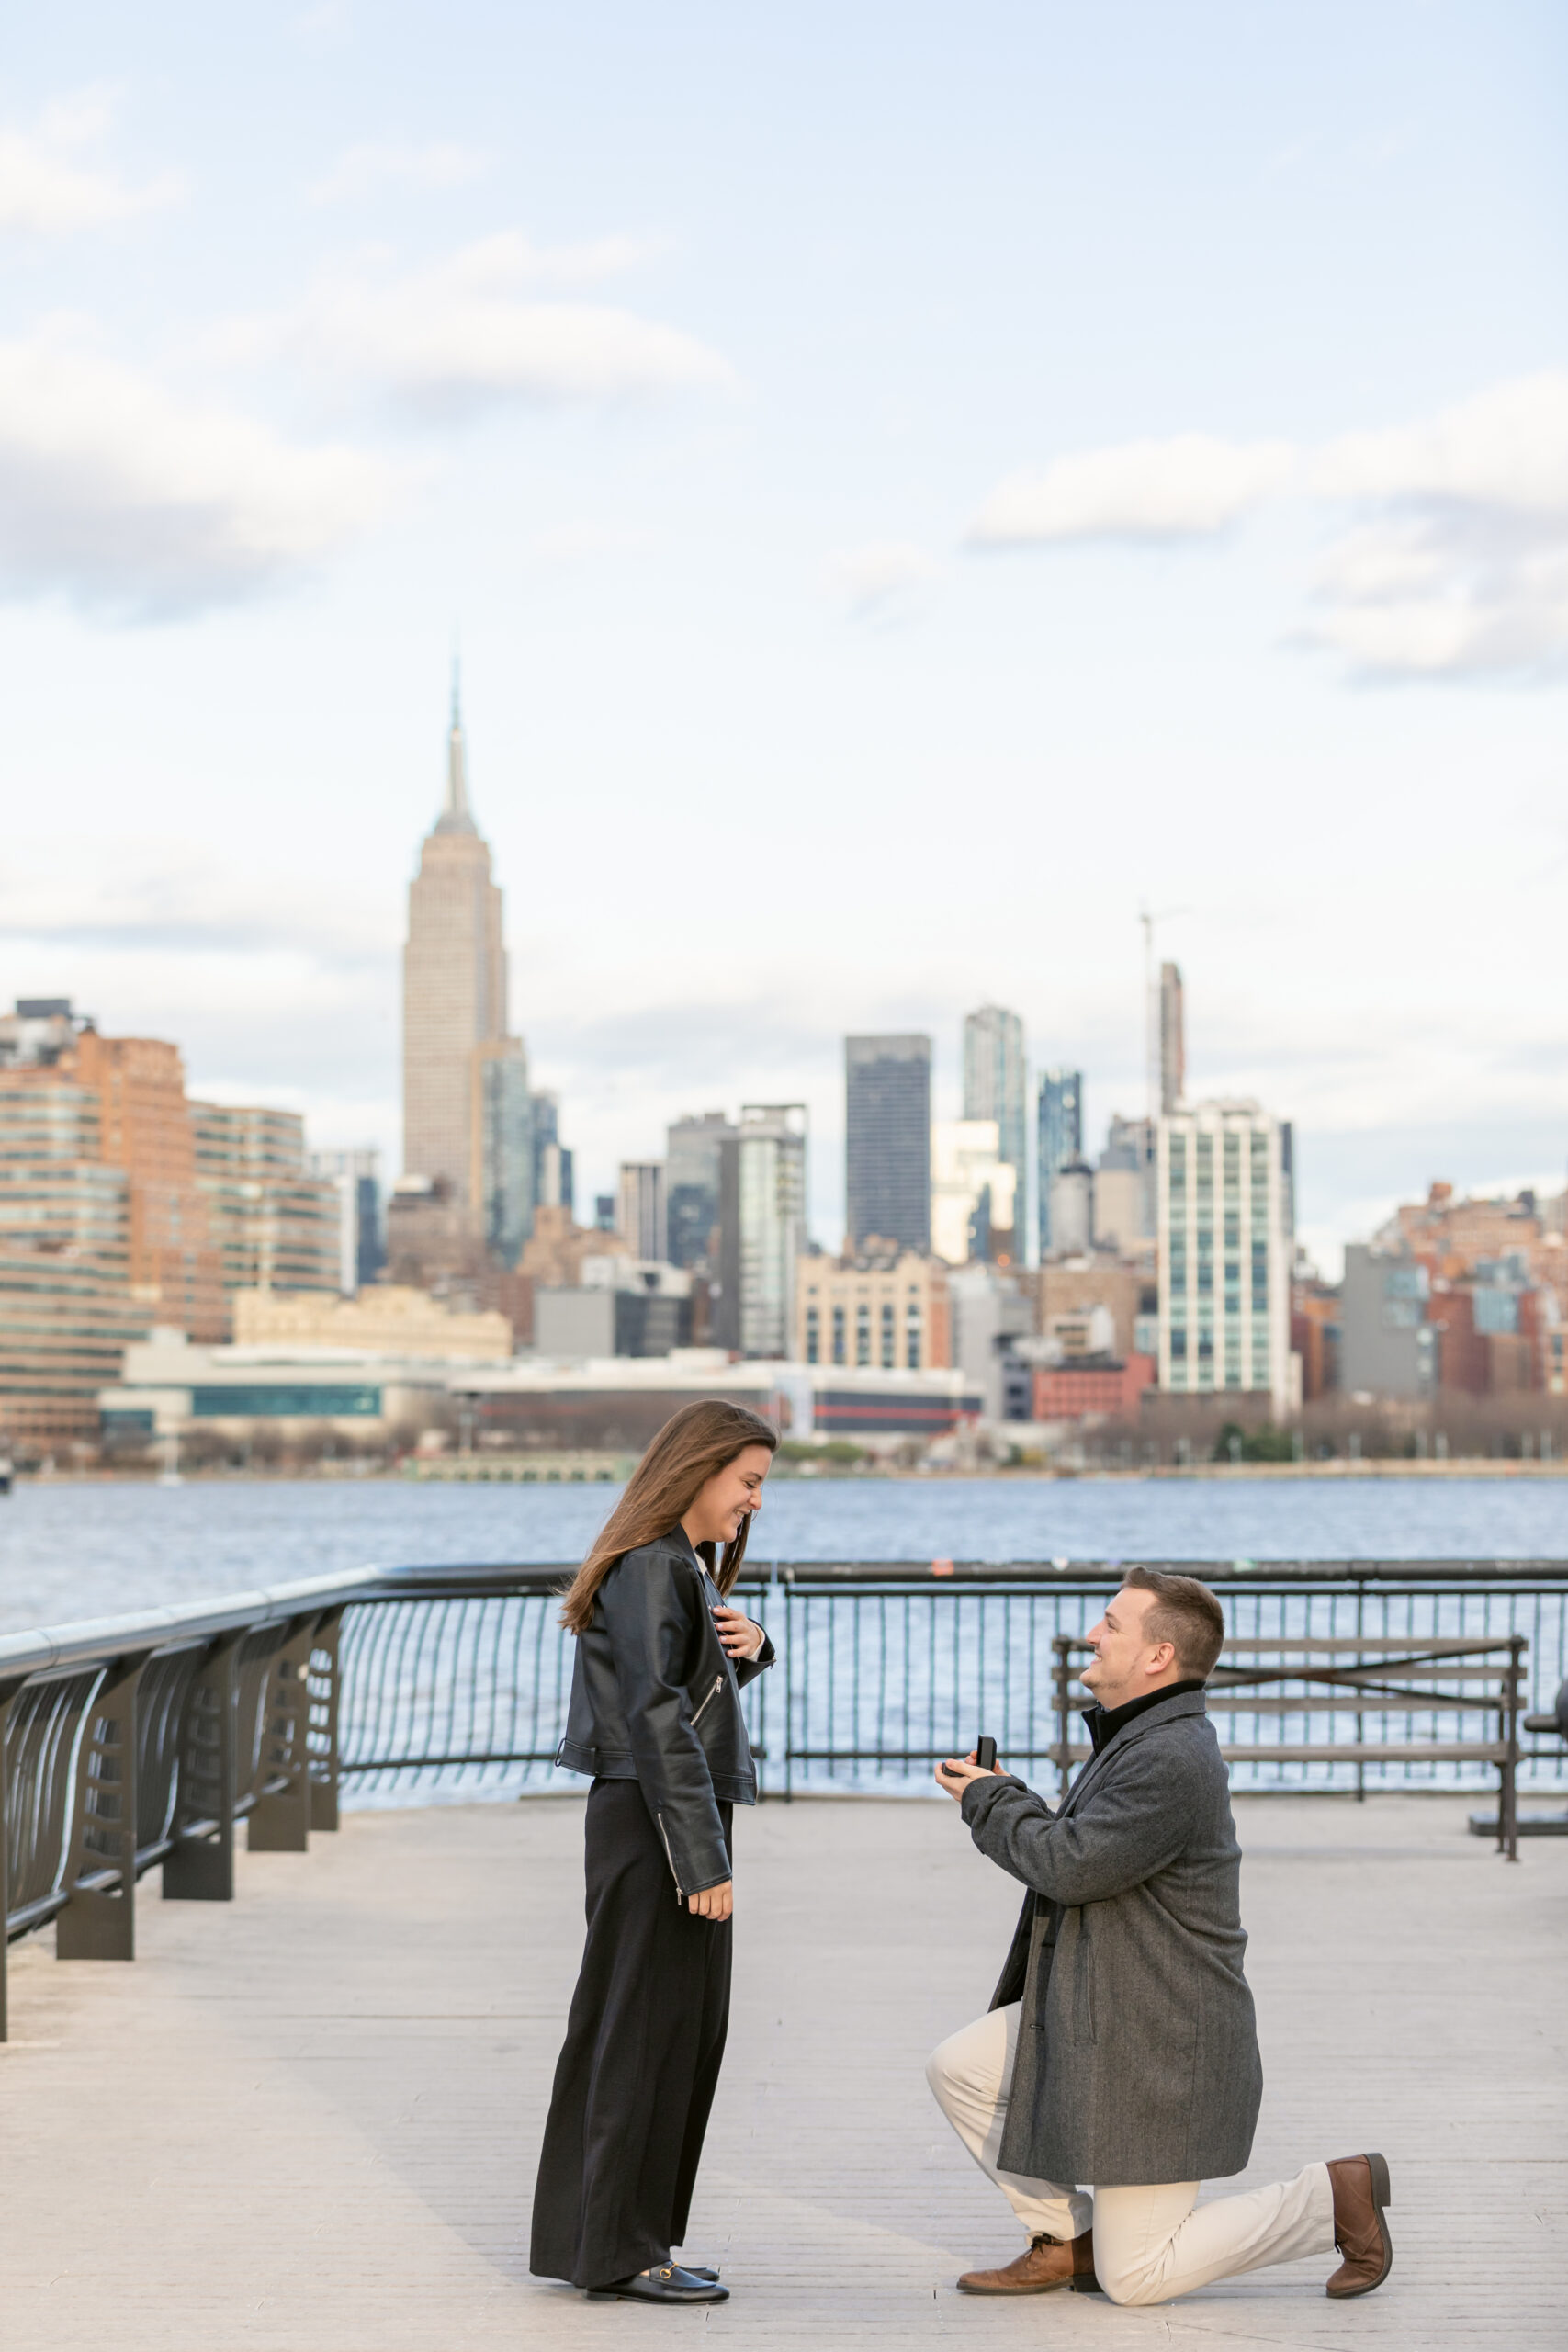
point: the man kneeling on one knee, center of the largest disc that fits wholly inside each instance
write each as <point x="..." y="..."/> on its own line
<point x="1121" y="2047"/>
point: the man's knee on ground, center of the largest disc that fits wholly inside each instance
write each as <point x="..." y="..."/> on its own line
<point x="948" y="2068"/>
<point x="937" y="2073"/>
<point x="1128" y="2286"/>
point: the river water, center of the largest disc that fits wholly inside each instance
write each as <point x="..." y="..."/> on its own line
<point x="70" y="1551"/>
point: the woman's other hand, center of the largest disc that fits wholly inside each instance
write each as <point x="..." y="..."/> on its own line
<point x="716" y="1903"/>
<point x="740" y="1638"/>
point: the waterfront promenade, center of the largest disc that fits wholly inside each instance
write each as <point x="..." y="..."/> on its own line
<point x="306" y="2122"/>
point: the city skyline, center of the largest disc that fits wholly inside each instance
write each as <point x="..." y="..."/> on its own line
<point x="1175" y="478"/>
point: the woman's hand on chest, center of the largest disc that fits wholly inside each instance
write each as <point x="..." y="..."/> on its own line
<point x="739" y="1637"/>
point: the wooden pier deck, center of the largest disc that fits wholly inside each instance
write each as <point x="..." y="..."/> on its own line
<point x="307" y="2121"/>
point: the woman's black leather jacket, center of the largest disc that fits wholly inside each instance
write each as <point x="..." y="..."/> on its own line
<point x="655" y="1698"/>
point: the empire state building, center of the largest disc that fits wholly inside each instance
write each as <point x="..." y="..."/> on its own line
<point x="466" y="1128"/>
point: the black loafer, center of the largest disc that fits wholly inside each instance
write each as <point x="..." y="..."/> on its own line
<point x="666" y="2284"/>
<point x="698" y="2270"/>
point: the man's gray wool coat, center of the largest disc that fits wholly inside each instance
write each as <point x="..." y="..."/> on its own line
<point x="1137" y="2049"/>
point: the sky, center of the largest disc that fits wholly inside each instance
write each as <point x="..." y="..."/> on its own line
<point x="912" y="488"/>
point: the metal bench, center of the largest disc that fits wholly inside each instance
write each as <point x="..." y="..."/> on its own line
<point x="1535" y="1825"/>
<point x="1303" y="1676"/>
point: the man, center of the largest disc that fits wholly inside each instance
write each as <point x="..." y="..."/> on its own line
<point x="1121" y="2047"/>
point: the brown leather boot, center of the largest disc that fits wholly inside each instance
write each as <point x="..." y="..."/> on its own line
<point x="1360" y="2192"/>
<point x="1049" y="2262"/>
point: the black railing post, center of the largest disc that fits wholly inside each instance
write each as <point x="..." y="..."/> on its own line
<point x="7" y="1693"/>
<point x="1063" y="1646"/>
<point x="789" y="1689"/>
<point x="1507" y="1795"/>
<point x="324" y="1693"/>
<point x="199" y="1868"/>
<point x="98" y="1921"/>
<point x="281" y="1817"/>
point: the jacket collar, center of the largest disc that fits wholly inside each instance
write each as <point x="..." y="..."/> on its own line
<point x="680" y="1541"/>
<point x="1104" y="1722"/>
<point x="1166" y="1709"/>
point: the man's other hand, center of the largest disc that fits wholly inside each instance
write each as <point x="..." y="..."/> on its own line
<point x="953" y="1778"/>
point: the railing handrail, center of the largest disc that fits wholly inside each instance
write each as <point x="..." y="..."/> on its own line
<point x="149" y="1738"/>
<point x="98" y="1641"/>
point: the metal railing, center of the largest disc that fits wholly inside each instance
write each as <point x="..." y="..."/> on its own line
<point x="144" y="1741"/>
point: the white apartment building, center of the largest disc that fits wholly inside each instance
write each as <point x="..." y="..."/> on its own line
<point x="762" y="1192"/>
<point x="1225" y="1221"/>
<point x="641" y="1218"/>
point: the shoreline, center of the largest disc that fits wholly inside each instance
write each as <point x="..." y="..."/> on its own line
<point x="511" y="1472"/>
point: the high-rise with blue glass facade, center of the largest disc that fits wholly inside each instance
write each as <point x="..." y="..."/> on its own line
<point x="995" y="1086"/>
<point x="1059" y="1110"/>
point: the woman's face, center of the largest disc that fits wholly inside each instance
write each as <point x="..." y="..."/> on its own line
<point x="728" y="1497"/>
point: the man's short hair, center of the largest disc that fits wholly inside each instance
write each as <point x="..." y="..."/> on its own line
<point x="1184" y="1614"/>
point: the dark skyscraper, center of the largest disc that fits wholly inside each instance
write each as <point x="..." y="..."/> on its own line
<point x="1061" y="1137"/>
<point x="552" y="1160"/>
<point x="887" y="1139"/>
<point x="691" y="1159"/>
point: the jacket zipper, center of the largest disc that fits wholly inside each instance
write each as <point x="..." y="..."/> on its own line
<point x="717" y="1687"/>
<point x="669" y="1858"/>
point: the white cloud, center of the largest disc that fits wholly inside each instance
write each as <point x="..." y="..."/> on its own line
<point x="47" y="190"/>
<point x="127" y="500"/>
<point x="881" y="580"/>
<point x="1457" y="562"/>
<point x="465" y="331"/>
<point x="1455" y="558"/>
<point x="361" y="170"/>
<point x="1505" y="450"/>
<point x="1188" y="487"/>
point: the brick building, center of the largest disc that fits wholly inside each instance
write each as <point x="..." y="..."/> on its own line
<point x="1072" y="1391"/>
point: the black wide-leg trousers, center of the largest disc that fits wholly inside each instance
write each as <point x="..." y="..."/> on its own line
<point x="636" y="2078"/>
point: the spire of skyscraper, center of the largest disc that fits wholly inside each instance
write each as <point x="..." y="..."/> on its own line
<point x="457" y="816"/>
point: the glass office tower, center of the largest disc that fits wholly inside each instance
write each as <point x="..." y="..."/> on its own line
<point x="888" y="1140"/>
<point x="1060" y="1115"/>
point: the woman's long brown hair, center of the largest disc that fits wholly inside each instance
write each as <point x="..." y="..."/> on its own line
<point x="695" y="1442"/>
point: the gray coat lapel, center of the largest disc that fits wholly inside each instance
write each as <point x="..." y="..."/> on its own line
<point x="1188" y="1703"/>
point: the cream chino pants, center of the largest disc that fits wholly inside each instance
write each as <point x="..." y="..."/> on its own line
<point x="1149" y="2244"/>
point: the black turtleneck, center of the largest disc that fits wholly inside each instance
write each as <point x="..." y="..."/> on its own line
<point x="1105" y="1723"/>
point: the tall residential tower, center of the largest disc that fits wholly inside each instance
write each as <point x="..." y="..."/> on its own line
<point x="1224" y="1252"/>
<point x="1172" y="1039"/>
<point x="995" y="1087"/>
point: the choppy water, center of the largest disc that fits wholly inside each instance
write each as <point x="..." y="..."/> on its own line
<point x="71" y="1551"/>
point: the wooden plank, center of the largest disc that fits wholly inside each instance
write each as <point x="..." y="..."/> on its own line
<point x="1338" y="1700"/>
<point x="1342" y="1752"/>
<point x="1411" y="1644"/>
<point x="1413" y="1751"/>
<point x="1415" y="1671"/>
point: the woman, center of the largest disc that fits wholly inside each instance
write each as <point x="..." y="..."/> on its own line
<point x="655" y="1717"/>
